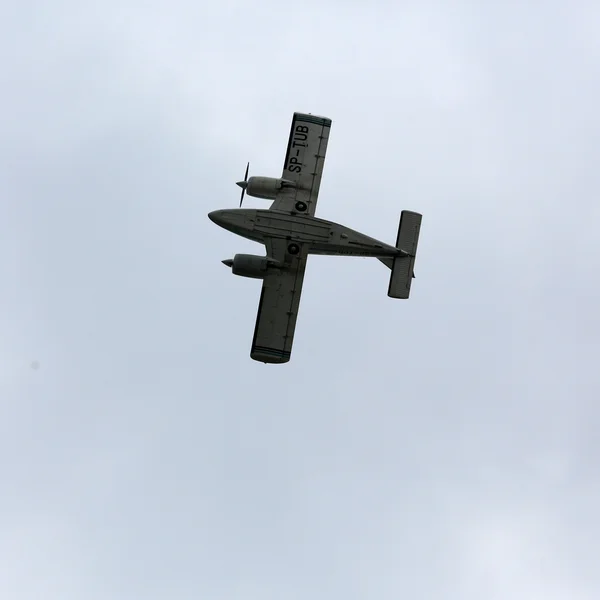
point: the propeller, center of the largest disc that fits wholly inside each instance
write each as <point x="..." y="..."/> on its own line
<point x="244" y="184"/>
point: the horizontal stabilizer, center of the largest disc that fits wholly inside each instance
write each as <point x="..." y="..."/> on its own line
<point x="403" y="266"/>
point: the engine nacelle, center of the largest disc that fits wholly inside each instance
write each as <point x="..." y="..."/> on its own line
<point x="249" y="265"/>
<point x="266" y="187"/>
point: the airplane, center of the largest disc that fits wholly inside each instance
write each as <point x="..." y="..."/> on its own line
<point x="290" y="232"/>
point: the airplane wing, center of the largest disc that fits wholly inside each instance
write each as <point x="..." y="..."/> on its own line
<point x="304" y="163"/>
<point x="278" y="305"/>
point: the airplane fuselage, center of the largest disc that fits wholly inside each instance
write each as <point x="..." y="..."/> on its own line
<point x="321" y="236"/>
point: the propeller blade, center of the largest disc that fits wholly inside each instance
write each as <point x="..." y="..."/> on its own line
<point x="244" y="184"/>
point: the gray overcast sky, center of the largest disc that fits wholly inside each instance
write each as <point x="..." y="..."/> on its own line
<point x="446" y="447"/>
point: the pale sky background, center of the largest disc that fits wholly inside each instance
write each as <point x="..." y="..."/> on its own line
<point x="441" y="448"/>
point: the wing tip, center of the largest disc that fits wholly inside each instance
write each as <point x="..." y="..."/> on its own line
<point x="310" y="118"/>
<point x="265" y="355"/>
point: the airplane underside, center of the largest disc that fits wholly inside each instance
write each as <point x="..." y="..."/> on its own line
<point x="290" y="232"/>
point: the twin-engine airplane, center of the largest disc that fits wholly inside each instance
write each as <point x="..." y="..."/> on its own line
<point x="290" y="231"/>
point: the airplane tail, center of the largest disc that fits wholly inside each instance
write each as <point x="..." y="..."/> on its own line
<point x="403" y="266"/>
